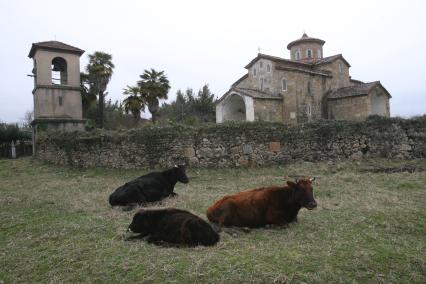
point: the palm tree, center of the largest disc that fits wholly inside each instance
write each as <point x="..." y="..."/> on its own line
<point x="88" y="97"/>
<point x="153" y="87"/>
<point x="133" y="103"/>
<point x="100" y="69"/>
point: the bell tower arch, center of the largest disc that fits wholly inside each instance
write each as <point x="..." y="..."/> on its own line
<point x="56" y="92"/>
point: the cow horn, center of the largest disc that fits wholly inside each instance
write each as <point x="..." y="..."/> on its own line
<point x="312" y="179"/>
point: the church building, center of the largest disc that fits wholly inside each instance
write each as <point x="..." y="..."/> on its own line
<point x="304" y="88"/>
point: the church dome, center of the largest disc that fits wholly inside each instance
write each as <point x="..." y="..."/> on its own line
<point x="306" y="48"/>
<point x="305" y="39"/>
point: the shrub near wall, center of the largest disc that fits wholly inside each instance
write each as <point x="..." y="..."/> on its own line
<point x="237" y="144"/>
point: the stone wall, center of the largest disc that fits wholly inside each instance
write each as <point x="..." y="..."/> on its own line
<point x="233" y="145"/>
<point x="349" y="108"/>
<point x="268" y="110"/>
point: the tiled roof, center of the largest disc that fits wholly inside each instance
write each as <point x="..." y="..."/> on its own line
<point x="275" y="59"/>
<point x="257" y="94"/>
<point x="54" y="45"/>
<point x="356" y="90"/>
<point x="305" y="38"/>
<point x="239" y="80"/>
<point x="329" y="59"/>
<point x="311" y="63"/>
<point x="251" y="93"/>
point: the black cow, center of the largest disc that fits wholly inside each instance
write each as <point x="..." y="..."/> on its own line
<point x="171" y="226"/>
<point x="149" y="188"/>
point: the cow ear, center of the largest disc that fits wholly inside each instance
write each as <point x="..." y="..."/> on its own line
<point x="291" y="184"/>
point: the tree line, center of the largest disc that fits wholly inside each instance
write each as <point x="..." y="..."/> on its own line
<point x="147" y="93"/>
<point x="12" y="132"/>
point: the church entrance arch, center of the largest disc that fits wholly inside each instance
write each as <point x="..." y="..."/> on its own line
<point x="234" y="108"/>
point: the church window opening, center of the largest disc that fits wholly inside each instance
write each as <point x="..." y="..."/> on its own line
<point x="254" y="72"/>
<point x="297" y="55"/>
<point x="284" y="84"/>
<point x="309" y="110"/>
<point x="262" y="82"/>
<point x="340" y="67"/>
<point x="309" y="53"/>
<point x="261" y="64"/>
<point x="59" y="71"/>
<point x="268" y="68"/>
<point x="309" y="87"/>
<point x="60" y="101"/>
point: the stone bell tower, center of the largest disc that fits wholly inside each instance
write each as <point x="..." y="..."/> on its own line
<point x="56" y="93"/>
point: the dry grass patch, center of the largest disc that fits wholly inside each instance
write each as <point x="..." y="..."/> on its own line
<point x="369" y="226"/>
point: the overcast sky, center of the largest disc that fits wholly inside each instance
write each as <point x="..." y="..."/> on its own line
<point x="198" y="42"/>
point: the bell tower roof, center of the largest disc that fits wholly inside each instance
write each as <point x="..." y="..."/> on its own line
<point x="54" y="45"/>
<point x="305" y="39"/>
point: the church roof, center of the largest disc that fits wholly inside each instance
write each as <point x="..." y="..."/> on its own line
<point x="329" y="59"/>
<point x="275" y="59"/>
<point x="256" y="94"/>
<point x="305" y="38"/>
<point x="304" y="64"/>
<point x="356" y="90"/>
<point x="239" y="80"/>
<point x="54" y="45"/>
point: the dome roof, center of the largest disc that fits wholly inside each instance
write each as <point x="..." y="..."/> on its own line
<point x="304" y="39"/>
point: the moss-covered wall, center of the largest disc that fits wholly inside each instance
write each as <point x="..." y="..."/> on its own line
<point x="230" y="145"/>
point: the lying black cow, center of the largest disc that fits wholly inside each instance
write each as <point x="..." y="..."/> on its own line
<point x="149" y="188"/>
<point x="171" y="226"/>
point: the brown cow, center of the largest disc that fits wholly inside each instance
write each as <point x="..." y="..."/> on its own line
<point x="277" y="205"/>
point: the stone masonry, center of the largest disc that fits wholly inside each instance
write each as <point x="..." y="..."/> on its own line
<point x="238" y="144"/>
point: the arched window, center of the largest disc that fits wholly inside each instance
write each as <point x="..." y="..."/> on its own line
<point x="254" y="72"/>
<point x="340" y="67"/>
<point x="297" y="55"/>
<point x="261" y="64"/>
<point x="59" y="71"/>
<point x="309" y="87"/>
<point x="309" y="53"/>
<point x="309" y="110"/>
<point x="268" y="68"/>
<point x="262" y="83"/>
<point x="284" y="84"/>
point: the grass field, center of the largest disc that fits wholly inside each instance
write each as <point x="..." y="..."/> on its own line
<point x="369" y="227"/>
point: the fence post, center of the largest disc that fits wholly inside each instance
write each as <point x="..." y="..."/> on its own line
<point x="13" y="150"/>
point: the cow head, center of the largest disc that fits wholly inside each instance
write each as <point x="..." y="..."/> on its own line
<point x="140" y="225"/>
<point x="304" y="194"/>
<point x="180" y="171"/>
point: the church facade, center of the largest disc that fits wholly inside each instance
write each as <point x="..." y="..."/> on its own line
<point x="304" y="88"/>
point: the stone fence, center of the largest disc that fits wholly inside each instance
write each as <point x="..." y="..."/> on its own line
<point x="233" y="145"/>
